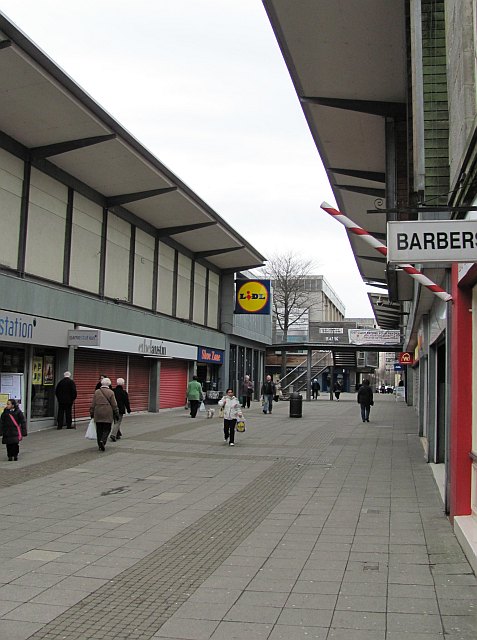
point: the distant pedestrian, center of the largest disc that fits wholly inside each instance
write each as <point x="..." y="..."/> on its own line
<point x="122" y="398"/>
<point x="315" y="389"/>
<point x="337" y="390"/>
<point x="66" y="395"/>
<point x="365" y="400"/>
<point x="268" y="391"/>
<point x="194" y="396"/>
<point x="246" y="392"/>
<point x="231" y="407"/>
<point x="104" y="410"/>
<point x="12" y="428"/>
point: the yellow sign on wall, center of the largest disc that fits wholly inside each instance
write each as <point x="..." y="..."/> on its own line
<point x="253" y="296"/>
<point x="37" y="373"/>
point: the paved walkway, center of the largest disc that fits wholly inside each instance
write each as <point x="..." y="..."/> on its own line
<point x="320" y="527"/>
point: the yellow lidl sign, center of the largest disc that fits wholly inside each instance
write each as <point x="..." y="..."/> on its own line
<point x="253" y="296"/>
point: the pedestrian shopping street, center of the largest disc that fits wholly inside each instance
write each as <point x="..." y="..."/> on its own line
<point x="315" y="527"/>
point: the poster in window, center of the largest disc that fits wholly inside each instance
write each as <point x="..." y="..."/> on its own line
<point x="37" y="375"/>
<point x="48" y="371"/>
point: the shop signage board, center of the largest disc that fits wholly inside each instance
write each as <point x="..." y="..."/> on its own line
<point x="406" y="357"/>
<point x="148" y="347"/>
<point x="84" y="337"/>
<point x="378" y="337"/>
<point x="252" y="296"/>
<point x="432" y="241"/>
<point x="25" y="329"/>
<point x="211" y="356"/>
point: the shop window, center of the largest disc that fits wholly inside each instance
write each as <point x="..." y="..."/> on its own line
<point x="12" y="366"/>
<point x="43" y="383"/>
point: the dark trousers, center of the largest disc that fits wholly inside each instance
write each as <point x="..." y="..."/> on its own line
<point x="246" y="402"/>
<point x="194" y="407"/>
<point x="13" y="450"/>
<point x="365" y="408"/>
<point x="64" y="415"/>
<point x="102" y="432"/>
<point x="229" y="430"/>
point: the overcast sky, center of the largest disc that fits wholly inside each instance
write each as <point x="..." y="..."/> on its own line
<point x="202" y="84"/>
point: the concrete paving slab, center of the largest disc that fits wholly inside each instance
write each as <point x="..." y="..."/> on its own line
<point x="333" y="531"/>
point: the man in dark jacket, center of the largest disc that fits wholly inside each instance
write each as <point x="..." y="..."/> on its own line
<point x="65" y="394"/>
<point x="122" y="398"/>
<point x="365" y="400"/>
<point x="268" y="390"/>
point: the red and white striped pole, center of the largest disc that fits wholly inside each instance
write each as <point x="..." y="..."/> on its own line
<point x="379" y="246"/>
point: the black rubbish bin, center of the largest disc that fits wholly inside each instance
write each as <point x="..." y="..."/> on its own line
<point x="296" y="405"/>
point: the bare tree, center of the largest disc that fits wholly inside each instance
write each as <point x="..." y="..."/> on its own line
<point x="291" y="299"/>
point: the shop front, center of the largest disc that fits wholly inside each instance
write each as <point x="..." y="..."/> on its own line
<point x="33" y="357"/>
<point x="155" y="371"/>
<point x="209" y="364"/>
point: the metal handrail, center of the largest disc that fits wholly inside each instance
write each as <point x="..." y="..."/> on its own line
<point x="300" y="365"/>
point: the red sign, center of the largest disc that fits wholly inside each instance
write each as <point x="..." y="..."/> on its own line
<point x="406" y="358"/>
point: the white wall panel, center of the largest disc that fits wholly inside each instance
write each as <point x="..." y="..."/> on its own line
<point x="45" y="244"/>
<point x="199" y="293"/>
<point x="213" y="307"/>
<point x="143" y="269"/>
<point x="85" y="244"/>
<point x="165" y="281"/>
<point x="118" y="246"/>
<point x="11" y="182"/>
<point x="183" y="286"/>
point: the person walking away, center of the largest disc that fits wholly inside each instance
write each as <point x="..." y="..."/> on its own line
<point x="194" y="396"/>
<point x="104" y="410"/>
<point x="66" y="394"/>
<point x="337" y="390"/>
<point x="246" y="392"/>
<point x="122" y="399"/>
<point x="268" y="391"/>
<point x="365" y="400"/>
<point x="231" y="407"/>
<point x="12" y="428"/>
<point x="315" y="389"/>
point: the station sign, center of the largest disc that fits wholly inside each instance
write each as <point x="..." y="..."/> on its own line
<point x="431" y="241"/>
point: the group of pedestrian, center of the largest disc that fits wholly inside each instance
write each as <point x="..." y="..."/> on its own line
<point x="107" y="409"/>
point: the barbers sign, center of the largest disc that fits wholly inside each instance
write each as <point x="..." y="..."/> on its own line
<point x="432" y="241"/>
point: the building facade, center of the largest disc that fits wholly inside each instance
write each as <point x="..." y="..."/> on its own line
<point x="389" y="91"/>
<point x="109" y="263"/>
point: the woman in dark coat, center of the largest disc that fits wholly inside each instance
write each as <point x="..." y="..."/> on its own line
<point x="10" y="418"/>
<point x="365" y="400"/>
<point x="104" y="410"/>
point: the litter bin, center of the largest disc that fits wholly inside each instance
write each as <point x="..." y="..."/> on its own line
<point x="296" y="404"/>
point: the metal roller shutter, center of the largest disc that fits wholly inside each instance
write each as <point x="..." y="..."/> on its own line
<point x="138" y="383"/>
<point x="89" y="365"/>
<point x="173" y="384"/>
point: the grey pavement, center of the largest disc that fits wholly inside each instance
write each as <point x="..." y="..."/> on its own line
<point x="315" y="527"/>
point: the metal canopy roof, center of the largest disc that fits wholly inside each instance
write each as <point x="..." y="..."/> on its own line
<point x="42" y="109"/>
<point x="347" y="60"/>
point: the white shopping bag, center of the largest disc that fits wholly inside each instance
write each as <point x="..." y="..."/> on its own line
<point x="202" y="407"/>
<point x="91" y="430"/>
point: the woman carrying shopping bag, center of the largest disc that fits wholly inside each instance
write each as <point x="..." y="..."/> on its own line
<point x="231" y="407"/>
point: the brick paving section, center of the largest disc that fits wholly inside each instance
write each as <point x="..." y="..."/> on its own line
<point x="136" y="604"/>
